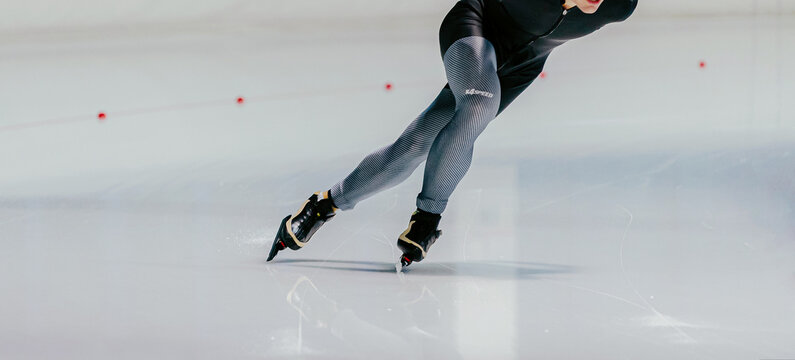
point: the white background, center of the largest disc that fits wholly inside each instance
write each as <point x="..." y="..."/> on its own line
<point x="20" y="16"/>
<point x="631" y="205"/>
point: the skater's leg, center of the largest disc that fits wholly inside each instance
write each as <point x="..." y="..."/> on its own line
<point x="471" y="67"/>
<point x="394" y="163"/>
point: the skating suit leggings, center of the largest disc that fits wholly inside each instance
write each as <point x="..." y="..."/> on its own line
<point x="444" y="134"/>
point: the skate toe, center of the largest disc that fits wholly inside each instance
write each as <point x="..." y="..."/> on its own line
<point x="278" y="242"/>
<point x="405" y="261"/>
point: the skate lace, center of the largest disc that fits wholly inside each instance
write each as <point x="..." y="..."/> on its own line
<point x="314" y="213"/>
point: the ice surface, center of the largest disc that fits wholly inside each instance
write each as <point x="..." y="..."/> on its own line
<point x="629" y="206"/>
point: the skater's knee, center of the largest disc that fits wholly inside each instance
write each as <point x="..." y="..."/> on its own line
<point x="481" y="104"/>
<point x="474" y="113"/>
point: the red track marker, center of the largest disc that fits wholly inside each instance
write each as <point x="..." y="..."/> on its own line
<point x="543" y="75"/>
<point x="702" y="64"/>
<point x="388" y="86"/>
<point x="241" y="100"/>
<point x="101" y="116"/>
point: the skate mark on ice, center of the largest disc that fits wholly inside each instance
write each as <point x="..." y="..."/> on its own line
<point x="425" y="290"/>
<point x="384" y="239"/>
<point x="686" y="338"/>
<point x="293" y="296"/>
<point x="615" y="297"/>
<point x="394" y="252"/>
<point x="341" y="244"/>
<point x="571" y="195"/>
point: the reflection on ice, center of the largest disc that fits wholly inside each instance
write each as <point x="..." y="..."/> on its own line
<point x="354" y="336"/>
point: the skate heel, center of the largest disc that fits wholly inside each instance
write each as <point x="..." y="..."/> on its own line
<point x="411" y="252"/>
<point x="415" y="242"/>
<point x="405" y="261"/>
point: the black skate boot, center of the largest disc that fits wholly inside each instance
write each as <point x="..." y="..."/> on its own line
<point x="419" y="236"/>
<point x="296" y="230"/>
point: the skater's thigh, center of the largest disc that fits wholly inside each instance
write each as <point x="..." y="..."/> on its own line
<point x="471" y="67"/>
<point x="471" y="64"/>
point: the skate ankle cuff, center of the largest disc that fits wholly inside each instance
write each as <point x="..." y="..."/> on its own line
<point x="325" y="196"/>
<point x="427" y="214"/>
<point x="331" y="201"/>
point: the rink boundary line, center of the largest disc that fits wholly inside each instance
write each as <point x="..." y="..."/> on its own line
<point x="232" y="101"/>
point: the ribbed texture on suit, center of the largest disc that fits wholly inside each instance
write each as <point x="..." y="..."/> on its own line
<point x="444" y="134"/>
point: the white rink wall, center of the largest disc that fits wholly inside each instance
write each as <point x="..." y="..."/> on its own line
<point x="38" y="15"/>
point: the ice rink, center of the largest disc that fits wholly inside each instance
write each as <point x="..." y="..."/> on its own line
<point x="630" y="205"/>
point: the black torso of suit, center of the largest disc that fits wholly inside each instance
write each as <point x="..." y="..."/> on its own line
<point x="528" y="30"/>
<point x="524" y="32"/>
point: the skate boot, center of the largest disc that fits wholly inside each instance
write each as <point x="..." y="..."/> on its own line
<point x="296" y="230"/>
<point x="418" y="237"/>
